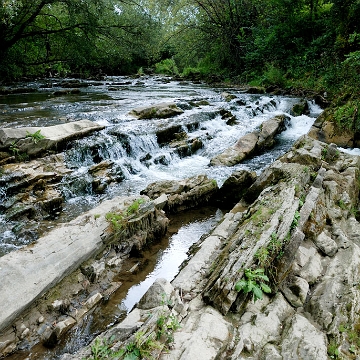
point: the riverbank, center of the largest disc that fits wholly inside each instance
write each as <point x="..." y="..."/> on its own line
<point x="300" y="228"/>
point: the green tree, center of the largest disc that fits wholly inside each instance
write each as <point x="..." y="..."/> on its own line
<point x="77" y="34"/>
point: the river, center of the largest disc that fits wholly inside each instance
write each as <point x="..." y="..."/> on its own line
<point x="132" y="147"/>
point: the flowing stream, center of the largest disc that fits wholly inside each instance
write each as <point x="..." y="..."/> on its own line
<point x="138" y="158"/>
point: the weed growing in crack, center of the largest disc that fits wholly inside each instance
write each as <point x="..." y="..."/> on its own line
<point x="254" y="282"/>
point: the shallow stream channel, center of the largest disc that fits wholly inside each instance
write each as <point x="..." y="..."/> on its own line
<point x="140" y="153"/>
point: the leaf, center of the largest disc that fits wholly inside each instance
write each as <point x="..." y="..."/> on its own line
<point x="258" y="294"/>
<point x="249" y="286"/>
<point x="262" y="277"/>
<point x="258" y="271"/>
<point x="240" y="285"/>
<point x="265" y="288"/>
<point x="131" y="356"/>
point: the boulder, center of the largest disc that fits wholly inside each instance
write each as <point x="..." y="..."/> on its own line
<point x="227" y="96"/>
<point x="159" y="293"/>
<point x="303" y="341"/>
<point x="235" y="186"/>
<point x="300" y="108"/>
<point x="35" y="140"/>
<point x="161" y="110"/>
<point x="307" y="263"/>
<point x="261" y="326"/>
<point x="326" y="244"/>
<point x="325" y="129"/>
<point x="183" y="194"/>
<point x="233" y="155"/>
<point x="30" y="186"/>
<point x="255" y="90"/>
<point x="167" y="134"/>
<point x="295" y="291"/>
<point x="251" y="143"/>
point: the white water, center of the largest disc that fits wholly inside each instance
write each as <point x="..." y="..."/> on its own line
<point x="127" y="141"/>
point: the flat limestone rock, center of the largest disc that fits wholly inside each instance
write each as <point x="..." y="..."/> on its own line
<point x="53" y="136"/>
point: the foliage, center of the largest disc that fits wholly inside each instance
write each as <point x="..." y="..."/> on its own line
<point x="50" y="37"/>
<point x="167" y="324"/>
<point x="36" y="136"/>
<point x="167" y="67"/>
<point x="273" y="76"/>
<point x="143" y="345"/>
<point x="254" y="283"/>
<point x="333" y="350"/>
<point x="282" y="43"/>
<point x="347" y="116"/>
<point x="295" y="221"/>
<point x="119" y="219"/>
<point x="134" y="207"/>
<point x="14" y="148"/>
<point x="266" y="254"/>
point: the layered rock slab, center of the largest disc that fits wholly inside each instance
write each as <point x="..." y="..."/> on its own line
<point x="51" y="137"/>
<point x="300" y="206"/>
<point x="30" y="272"/>
<point x="183" y="194"/>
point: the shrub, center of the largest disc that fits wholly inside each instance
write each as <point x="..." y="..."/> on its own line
<point x="167" y="67"/>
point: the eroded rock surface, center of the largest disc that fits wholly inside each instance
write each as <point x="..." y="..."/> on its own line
<point x="296" y="223"/>
<point x="183" y="194"/>
<point x="25" y="140"/>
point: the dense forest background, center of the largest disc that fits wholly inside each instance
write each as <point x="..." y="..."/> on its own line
<point x="312" y="44"/>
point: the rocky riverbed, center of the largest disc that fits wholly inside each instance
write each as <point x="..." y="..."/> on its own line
<point x="298" y="223"/>
<point x="290" y="241"/>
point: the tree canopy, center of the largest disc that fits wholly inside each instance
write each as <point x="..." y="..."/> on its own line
<point x="273" y="41"/>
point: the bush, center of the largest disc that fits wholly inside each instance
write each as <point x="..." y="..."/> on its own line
<point x="274" y="76"/>
<point x="167" y="67"/>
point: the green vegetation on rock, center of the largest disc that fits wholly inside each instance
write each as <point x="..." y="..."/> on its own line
<point x="118" y="220"/>
<point x="254" y="282"/>
<point x="36" y="136"/>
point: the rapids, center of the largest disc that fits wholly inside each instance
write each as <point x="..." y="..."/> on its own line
<point x="133" y="147"/>
<point x="132" y="144"/>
